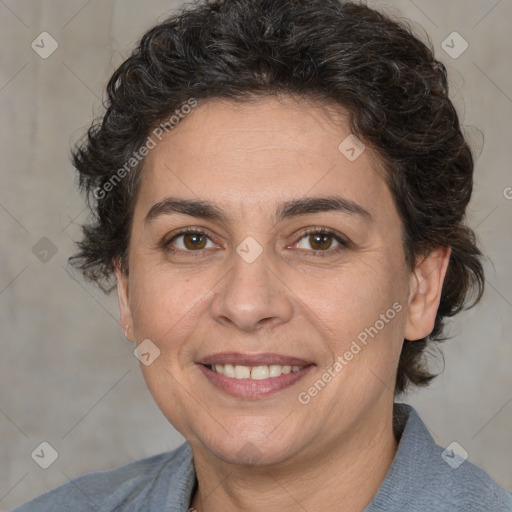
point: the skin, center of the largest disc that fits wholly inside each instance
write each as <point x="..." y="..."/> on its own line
<point x="247" y="158"/>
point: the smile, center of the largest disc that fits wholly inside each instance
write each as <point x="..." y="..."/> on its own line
<point x="253" y="376"/>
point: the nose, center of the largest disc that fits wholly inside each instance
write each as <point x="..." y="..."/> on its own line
<point x="251" y="296"/>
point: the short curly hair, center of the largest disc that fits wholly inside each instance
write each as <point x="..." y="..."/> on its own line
<point x="337" y="53"/>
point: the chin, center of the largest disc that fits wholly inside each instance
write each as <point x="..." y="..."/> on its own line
<point x="251" y="447"/>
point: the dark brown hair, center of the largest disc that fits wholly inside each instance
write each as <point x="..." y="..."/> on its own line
<point x="340" y="53"/>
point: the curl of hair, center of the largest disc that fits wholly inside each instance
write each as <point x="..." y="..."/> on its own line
<point x="336" y="53"/>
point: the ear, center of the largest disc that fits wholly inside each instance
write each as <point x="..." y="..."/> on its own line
<point x="426" y="284"/>
<point x="125" y="314"/>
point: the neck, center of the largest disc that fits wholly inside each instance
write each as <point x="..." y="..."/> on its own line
<point x="342" y="475"/>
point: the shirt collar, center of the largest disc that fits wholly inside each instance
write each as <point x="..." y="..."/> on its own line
<point x="406" y="478"/>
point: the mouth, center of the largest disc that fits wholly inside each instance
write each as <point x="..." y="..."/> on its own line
<point x="253" y="376"/>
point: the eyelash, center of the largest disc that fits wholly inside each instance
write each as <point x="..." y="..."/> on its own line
<point x="343" y="244"/>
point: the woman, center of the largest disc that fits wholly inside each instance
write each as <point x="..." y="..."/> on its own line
<point x="279" y="190"/>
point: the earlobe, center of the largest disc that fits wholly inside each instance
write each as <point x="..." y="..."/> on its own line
<point x="426" y="284"/>
<point x="125" y="316"/>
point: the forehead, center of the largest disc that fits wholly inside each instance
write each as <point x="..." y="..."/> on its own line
<point x="246" y="155"/>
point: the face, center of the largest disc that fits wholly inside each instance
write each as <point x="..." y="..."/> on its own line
<point x="267" y="270"/>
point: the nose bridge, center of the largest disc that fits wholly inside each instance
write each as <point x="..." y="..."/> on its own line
<point x="251" y="294"/>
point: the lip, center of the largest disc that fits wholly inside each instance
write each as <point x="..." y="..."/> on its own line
<point x="252" y="359"/>
<point x="252" y="388"/>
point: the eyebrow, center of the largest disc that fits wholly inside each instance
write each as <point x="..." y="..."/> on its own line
<point x="286" y="210"/>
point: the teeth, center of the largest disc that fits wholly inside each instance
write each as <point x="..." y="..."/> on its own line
<point x="253" y="372"/>
<point x="229" y="370"/>
<point x="275" y="370"/>
<point x="260" y="372"/>
<point x="241" y="372"/>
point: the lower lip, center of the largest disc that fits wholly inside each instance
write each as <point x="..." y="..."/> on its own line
<point x="252" y="388"/>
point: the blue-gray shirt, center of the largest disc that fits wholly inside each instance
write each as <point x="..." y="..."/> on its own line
<point x="421" y="479"/>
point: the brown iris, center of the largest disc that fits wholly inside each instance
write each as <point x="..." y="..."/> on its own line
<point x="320" y="241"/>
<point x="194" y="240"/>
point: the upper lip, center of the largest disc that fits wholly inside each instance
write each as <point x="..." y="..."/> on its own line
<point x="237" y="358"/>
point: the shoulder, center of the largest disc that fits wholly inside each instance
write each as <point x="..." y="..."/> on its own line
<point x="427" y="477"/>
<point x="141" y="485"/>
<point x="457" y="484"/>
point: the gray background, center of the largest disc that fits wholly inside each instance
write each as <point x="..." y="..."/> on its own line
<point x="68" y="377"/>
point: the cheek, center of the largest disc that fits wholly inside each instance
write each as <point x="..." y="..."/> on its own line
<point x="361" y="314"/>
<point x="165" y="304"/>
<point x="352" y="299"/>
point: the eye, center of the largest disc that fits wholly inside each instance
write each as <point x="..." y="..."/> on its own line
<point x="190" y="241"/>
<point x="318" y="241"/>
<point x="321" y="241"/>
